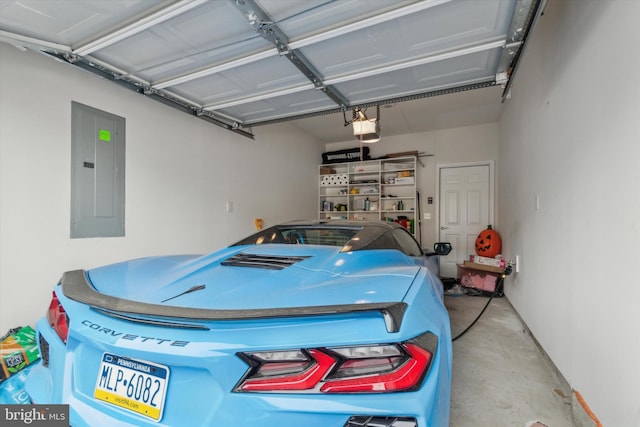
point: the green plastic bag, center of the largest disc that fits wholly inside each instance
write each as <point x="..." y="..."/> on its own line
<point x="18" y="349"/>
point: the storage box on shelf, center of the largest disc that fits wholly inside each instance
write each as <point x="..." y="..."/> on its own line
<point x="382" y="189"/>
<point x="324" y="170"/>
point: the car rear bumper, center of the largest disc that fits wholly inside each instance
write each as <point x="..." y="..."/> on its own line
<point x="194" y="400"/>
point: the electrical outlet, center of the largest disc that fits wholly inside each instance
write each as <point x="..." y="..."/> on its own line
<point x="427" y="215"/>
<point x="229" y="206"/>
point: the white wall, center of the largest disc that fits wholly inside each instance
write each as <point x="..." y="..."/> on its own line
<point x="180" y="171"/>
<point x="571" y="135"/>
<point x="456" y="145"/>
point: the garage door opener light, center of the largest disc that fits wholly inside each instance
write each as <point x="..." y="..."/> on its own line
<point x="364" y="129"/>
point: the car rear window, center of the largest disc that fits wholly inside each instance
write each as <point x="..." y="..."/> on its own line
<point x="305" y="235"/>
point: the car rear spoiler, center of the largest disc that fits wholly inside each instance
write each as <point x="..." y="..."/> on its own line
<point x="76" y="286"/>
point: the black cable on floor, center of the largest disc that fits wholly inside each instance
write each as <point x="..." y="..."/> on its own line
<point x="497" y="290"/>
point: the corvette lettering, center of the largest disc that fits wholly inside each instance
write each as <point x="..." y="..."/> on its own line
<point x="112" y="333"/>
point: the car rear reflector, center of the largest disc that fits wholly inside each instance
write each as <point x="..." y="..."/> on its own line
<point x="58" y="318"/>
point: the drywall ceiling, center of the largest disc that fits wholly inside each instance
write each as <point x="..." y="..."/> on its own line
<point x="244" y="63"/>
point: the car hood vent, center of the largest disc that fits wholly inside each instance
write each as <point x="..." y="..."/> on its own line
<point x="271" y="262"/>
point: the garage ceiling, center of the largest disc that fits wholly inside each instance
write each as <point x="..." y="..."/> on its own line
<point x="245" y="63"/>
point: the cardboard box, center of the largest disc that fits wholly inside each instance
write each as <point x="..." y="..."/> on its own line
<point x="479" y="280"/>
<point x="402" y="154"/>
<point x="478" y="276"/>
<point x="364" y="168"/>
<point x="326" y="170"/>
<point x="397" y="166"/>
<point x="405" y="180"/>
<point x="482" y="267"/>
<point x="494" y="262"/>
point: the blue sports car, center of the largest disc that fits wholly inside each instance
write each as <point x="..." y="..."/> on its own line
<point x="314" y="324"/>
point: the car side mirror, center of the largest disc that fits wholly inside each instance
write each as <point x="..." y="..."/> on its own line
<point x="442" y="248"/>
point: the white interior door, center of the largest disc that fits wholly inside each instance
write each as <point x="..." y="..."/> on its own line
<point x="466" y="201"/>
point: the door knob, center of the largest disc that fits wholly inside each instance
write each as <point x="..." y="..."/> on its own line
<point x="443" y="228"/>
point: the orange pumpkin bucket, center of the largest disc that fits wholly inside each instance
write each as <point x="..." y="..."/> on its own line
<point x="488" y="243"/>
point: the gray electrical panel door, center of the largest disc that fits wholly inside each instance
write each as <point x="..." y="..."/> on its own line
<point x="97" y="172"/>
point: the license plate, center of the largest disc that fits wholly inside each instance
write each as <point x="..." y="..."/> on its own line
<point x="136" y="385"/>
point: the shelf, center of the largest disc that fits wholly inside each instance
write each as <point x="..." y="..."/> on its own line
<point x="370" y="175"/>
<point x="398" y="185"/>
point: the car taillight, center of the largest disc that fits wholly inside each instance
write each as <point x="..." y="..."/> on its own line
<point x="395" y="374"/>
<point x="286" y="370"/>
<point x="358" y="369"/>
<point x="58" y="318"/>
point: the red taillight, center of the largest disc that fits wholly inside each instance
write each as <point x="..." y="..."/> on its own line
<point x="283" y="375"/>
<point x="405" y="377"/>
<point x="362" y="369"/>
<point x="58" y="318"/>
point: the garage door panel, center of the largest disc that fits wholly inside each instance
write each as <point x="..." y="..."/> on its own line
<point x="73" y="25"/>
<point x="429" y="32"/>
<point x="240" y="82"/>
<point x="205" y="36"/>
<point x="274" y="107"/>
<point x="476" y="67"/>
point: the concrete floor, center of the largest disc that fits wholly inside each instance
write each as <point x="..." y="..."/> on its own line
<point x="500" y="376"/>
